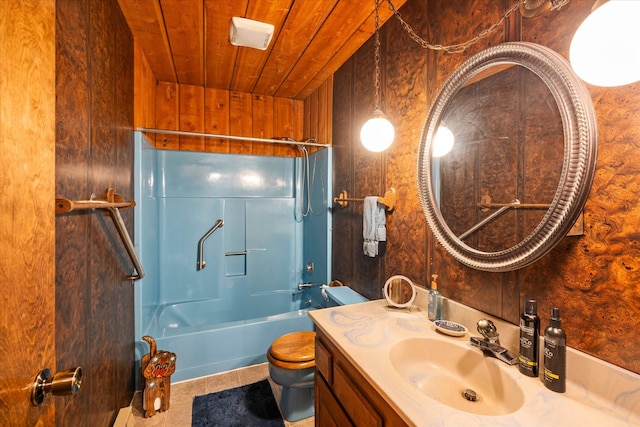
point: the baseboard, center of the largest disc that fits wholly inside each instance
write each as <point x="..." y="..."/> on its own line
<point x="125" y="418"/>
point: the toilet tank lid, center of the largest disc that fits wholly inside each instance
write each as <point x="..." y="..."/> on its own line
<point x="344" y="295"/>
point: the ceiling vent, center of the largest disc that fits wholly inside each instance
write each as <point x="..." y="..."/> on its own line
<point x="250" y="33"/>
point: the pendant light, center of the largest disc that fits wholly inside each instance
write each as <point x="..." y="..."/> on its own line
<point x="377" y="133"/>
<point x="604" y="50"/>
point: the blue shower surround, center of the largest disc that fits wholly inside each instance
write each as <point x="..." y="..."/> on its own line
<point x="226" y="315"/>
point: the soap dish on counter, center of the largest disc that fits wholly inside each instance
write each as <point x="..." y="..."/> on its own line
<point x="450" y="328"/>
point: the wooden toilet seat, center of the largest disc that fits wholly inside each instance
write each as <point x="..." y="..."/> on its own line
<point x="295" y="350"/>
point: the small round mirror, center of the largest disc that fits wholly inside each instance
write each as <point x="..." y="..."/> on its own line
<point x="399" y="291"/>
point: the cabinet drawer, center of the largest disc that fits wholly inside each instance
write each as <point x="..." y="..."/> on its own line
<point x="354" y="403"/>
<point x="324" y="361"/>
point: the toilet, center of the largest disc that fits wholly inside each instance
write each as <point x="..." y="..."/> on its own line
<point x="292" y="361"/>
<point x="292" y="365"/>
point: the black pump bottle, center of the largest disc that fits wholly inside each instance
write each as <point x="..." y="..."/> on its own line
<point x="555" y="354"/>
<point x="529" y="339"/>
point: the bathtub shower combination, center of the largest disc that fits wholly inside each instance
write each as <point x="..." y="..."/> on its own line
<point x="219" y="301"/>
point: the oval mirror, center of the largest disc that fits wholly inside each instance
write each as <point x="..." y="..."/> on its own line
<point x="522" y="161"/>
<point x="399" y="291"/>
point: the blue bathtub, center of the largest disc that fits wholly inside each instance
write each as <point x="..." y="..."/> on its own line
<point x="206" y="347"/>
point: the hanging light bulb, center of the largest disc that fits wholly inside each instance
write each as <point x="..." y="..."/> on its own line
<point x="604" y="50"/>
<point x="443" y="141"/>
<point x="377" y="133"/>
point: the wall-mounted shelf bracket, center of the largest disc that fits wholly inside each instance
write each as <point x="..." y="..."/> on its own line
<point x="112" y="204"/>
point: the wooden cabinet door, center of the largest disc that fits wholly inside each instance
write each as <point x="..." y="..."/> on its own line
<point x="329" y="413"/>
<point x="27" y="199"/>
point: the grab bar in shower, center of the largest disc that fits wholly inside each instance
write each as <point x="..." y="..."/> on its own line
<point x="112" y="205"/>
<point x="201" y="262"/>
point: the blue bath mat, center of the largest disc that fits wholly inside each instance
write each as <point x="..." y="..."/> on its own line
<point x="250" y="405"/>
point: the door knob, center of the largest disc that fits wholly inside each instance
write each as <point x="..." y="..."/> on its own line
<point x="63" y="383"/>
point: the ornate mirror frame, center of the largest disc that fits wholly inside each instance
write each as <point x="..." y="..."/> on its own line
<point x="578" y="167"/>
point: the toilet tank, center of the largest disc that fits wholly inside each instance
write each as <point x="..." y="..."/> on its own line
<point x="342" y="295"/>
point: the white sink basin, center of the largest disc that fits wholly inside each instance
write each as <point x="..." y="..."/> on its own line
<point x="444" y="370"/>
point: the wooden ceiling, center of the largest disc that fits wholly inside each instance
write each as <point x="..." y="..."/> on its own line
<point x="187" y="41"/>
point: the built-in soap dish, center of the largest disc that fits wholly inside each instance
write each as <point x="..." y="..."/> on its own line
<point x="450" y="328"/>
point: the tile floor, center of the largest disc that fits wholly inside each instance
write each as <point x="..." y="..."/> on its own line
<point x="182" y="394"/>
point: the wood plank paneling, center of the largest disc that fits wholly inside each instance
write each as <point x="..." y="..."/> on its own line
<point x="94" y="151"/>
<point x="196" y="109"/>
<point x="144" y="101"/>
<point x="262" y="123"/>
<point x="344" y="221"/>
<point x="250" y="62"/>
<point x="405" y="100"/>
<point x="146" y="22"/>
<point x="308" y="17"/>
<point x="347" y="50"/>
<point x="318" y="114"/>
<point x="184" y="21"/>
<point x="123" y="337"/>
<point x="191" y="107"/>
<point x="102" y="260"/>
<point x="220" y="54"/>
<point x="216" y="120"/>
<point x="340" y="25"/>
<point x="167" y="114"/>
<point x="240" y="121"/>
<point x="73" y="232"/>
<point x="185" y="40"/>
<point x="288" y="121"/>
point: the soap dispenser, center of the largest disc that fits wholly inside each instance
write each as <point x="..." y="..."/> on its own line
<point x="555" y="354"/>
<point x="434" y="310"/>
<point x="529" y="339"/>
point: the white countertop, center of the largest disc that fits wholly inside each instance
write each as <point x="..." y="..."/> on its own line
<point x="598" y="393"/>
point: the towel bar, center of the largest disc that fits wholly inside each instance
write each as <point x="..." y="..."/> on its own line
<point x="112" y="205"/>
<point x="388" y="200"/>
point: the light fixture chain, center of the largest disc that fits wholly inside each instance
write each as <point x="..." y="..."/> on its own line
<point x="377" y="57"/>
<point x="454" y="48"/>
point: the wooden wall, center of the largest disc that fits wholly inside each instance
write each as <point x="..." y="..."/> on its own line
<point x="594" y="279"/>
<point x="172" y="106"/>
<point x="362" y="173"/>
<point x="94" y="151"/>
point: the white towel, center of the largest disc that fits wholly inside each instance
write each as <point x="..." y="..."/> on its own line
<point x="373" y="225"/>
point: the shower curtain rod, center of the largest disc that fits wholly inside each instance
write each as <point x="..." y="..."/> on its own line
<point x="240" y="138"/>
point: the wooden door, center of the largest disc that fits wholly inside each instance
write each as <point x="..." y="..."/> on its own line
<point x="27" y="246"/>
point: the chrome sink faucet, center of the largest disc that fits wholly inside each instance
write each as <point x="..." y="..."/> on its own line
<point x="490" y="343"/>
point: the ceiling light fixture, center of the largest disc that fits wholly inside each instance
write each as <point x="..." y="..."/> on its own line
<point x="249" y="33"/>
<point x="604" y="50"/>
